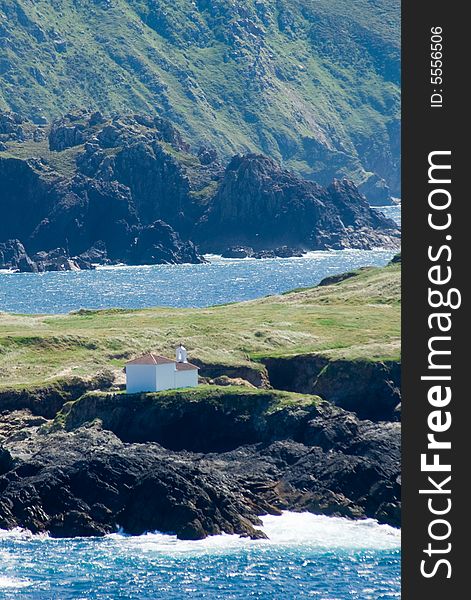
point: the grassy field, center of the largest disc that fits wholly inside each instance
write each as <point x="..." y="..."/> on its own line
<point x="357" y="318"/>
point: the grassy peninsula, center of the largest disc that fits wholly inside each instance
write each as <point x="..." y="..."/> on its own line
<point x="358" y="318"/>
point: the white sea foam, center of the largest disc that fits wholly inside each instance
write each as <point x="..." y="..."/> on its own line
<point x="288" y="530"/>
<point x="13" y="583"/>
<point x="21" y="534"/>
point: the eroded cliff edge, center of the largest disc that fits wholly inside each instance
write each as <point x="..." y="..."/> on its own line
<point x="194" y="463"/>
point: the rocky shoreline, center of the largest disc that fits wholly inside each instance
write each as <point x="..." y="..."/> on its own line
<point x="193" y="465"/>
<point x="94" y="189"/>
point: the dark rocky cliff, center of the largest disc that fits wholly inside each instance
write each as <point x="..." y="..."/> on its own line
<point x="130" y="189"/>
<point x="193" y="466"/>
<point x="369" y="388"/>
<point x="262" y="206"/>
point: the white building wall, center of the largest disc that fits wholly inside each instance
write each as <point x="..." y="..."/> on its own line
<point x="157" y="378"/>
<point x="140" y="378"/>
<point x="187" y="378"/>
<point x="165" y="377"/>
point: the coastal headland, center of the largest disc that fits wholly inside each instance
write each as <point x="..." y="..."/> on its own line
<point x="298" y="409"/>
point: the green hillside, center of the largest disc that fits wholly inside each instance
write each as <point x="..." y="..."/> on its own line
<point x="312" y="83"/>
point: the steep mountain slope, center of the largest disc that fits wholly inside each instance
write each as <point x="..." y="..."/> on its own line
<point x="314" y="84"/>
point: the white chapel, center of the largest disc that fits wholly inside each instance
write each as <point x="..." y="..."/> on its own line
<point x="154" y="373"/>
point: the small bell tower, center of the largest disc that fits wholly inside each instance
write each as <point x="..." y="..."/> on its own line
<point x="181" y="354"/>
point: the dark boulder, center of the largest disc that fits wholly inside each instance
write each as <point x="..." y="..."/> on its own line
<point x="12" y="253"/>
<point x="64" y="135"/>
<point x="160" y="244"/>
<point x="58" y="260"/>
<point x="237" y="252"/>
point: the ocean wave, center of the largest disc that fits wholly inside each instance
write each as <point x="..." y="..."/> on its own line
<point x="290" y="530"/>
<point x="13" y="583"/>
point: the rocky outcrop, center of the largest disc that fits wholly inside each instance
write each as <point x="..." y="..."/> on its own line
<point x="135" y="176"/>
<point x="260" y="206"/>
<point x="13" y="256"/>
<point x="13" y="127"/>
<point x="194" y="468"/>
<point x="46" y="400"/>
<point x="371" y="389"/>
<point x="159" y="243"/>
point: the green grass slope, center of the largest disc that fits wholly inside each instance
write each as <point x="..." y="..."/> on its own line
<point x="356" y="318"/>
<point x="312" y="83"/>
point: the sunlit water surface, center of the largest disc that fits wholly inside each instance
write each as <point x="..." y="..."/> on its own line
<point x="306" y="556"/>
<point x="216" y="282"/>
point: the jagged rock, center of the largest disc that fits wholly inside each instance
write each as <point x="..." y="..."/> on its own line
<point x="135" y="170"/>
<point x="194" y="469"/>
<point x="58" y="260"/>
<point x="260" y="205"/>
<point x="286" y="252"/>
<point x="207" y="155"/>
<point x="12" y="127"/>
<point x="12" y="253"/>
<point x="27" y="265"/>
<point x="237" y="252"/>
<point x="97" y="254"/>
<point x="159" y="243"/>
<point x="62" y="137"/>
<point x="14" y="256"/>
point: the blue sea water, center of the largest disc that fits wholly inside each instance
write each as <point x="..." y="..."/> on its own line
<point x="307" y="556"/>
<point x="216" y="282"/>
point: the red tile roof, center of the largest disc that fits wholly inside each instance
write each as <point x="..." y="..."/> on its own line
<point x="156" y="359"/>
<point x="150" y="359"/>
<point x="186" y="366"/>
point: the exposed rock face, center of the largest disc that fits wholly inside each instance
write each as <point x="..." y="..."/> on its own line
<point x="159" y="243"/>
<point x="12" y="127"/>
<point x="12" y="254"/>
<point x="47" y="401"/>
<point x="134" y="171"/>
<point x="86" y="481"/>
<point x="261" y="206"/>
<point x="370" y="389"/>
